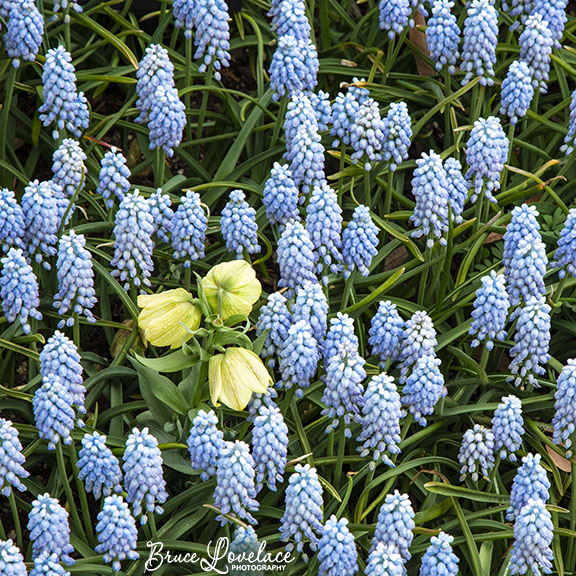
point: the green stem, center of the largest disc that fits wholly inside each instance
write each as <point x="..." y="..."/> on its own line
<point x="340" y="455"/>
<point x="2" y="531"/>
<point x="484" y="357"/>
<point x="82" y="495"/>
<point x="188" y="81"/>
<point x="188" y="278"/>
<point x="4" y="121"/>
<point x="348" y="287"/>
<point x="342" y="166"/>
<point x="204" y="104"/>
<point x="152" y="523"/>
<point x="68" y="491"/>
<point x="424" y="278"/>
<point x="389" y="193"/>
<point x="367" y="194"/>
<point x="76" y="330"/>
<point x="571" y="554"/>
<point x="479" y="91"/>
<point x="558" y="294"/>
<point x="16" y="517"/>
<point x="160" y="165"/>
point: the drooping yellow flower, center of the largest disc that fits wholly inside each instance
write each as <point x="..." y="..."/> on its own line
<point x="165" y="317"/>
<point x="237" y="285"/>
<point x="235" y="375"/>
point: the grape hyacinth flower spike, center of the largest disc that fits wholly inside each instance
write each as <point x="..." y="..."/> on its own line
<point x="397" y="134"/>
<point x="490" y="311"/>
<point x="280" y="195"/>
<point x="312" y="306"/>
<point x="384" y="560"/>
<point x="303" y="511"/>
<point x="565" y="256"/>
<point x="238" y="225"/>
<point x="143" y="475"/>
<point x="517" y="91"/>
<point x="396" y="15"/>
<point x="443" y="35"/>
<point x="11" y="221"/>
<point x="275" y="317"/>
<point x="341" y="331"/>
<point x="476" y="454"/>
<point x="11" y="459"/>
<point x="114" y="177"/>
<point x="480" y="41"/>
<point x="63" y="105"/>
<point x="554" y="13"/>
<point x="162" y="214"/>
<point x="66" y="5"/>
<point x="530" y="481"/>
<point x="430" y="188"/>
<point x="235" y="488"/>
<point x="508" y="427"/>
<point x="419" y="340"/>
<point x="60" y="357"/>
<point x="205" y="443"/>
<point x="24" y="32"/>
<point x="290" y="19"/>
<point x="68" y="167"/>
<point x="395" y="524"/>
<point x="19" y="291"/>
<point x="133" y="246"/>
<point x="98" y="467"/>
<point x="269" y="446"/>
<point x="167" y="119"/>
<point x="458" y="188"/>
<point x="75" y="279"/>
<point x="570" y="138"/>
<point x="49" y="528"/>
<point x="47" y="564"/>
<point x="523" y="226"/>
<point x="359" y="242"/>
<point x="117" y="532"/>
<point x="296" y="256"/>
<point x="380" y="420"/>
<point x="536" y="42"/>
<point x="336" y="549"/>
<point x="366" y="135"/>
<point x="486" y="154"/>
<point x="11" y="560"/>
<point x="564" y="420"/>
<point x="189" y="229"/>
<point x="439" y="558"/>
<point x="386" y="331"/>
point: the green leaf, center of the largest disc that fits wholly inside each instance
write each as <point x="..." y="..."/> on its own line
<point x="174" y="362"/>
<point x="461" y="492"/>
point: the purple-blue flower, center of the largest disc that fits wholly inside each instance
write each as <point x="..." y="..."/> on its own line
<point x="386" y="331"/>
<point x="205" y="443"/>
<point x="565" y="256"/>
<point x="396" y="134"/>
<point x="11" y="560"/>
<point x="280" y="195"/>
<point x="419" y="340"/>
<point x="439" y="558"/>
<point x="162" y="214"/>
<point x="443" y="35"/>
<point x="296" y="257"/>
<point x="24" y="32"/>
<point x="275" y="317"/>
<point x="359" y="242"/>
<point x="337" y="552"/>
<point x="114" y="174"/>
<point x="11" y="221"/>
<point x="536" y="42"/>
<point x="564" y="420"/>
<point x="395" y="524"/>
<point x="508" y="427"/>
<point x="476" y="454"/>
<point x="238" y="225"/>
<point x="212" y="38"/>
<point x="385" y="560"/>
<point x="458" y="187"/>
<point x="189" y="229"/>
<point x="11" y="459"/>
<point x="312" y="306"/>
<point x="530" y="481"/>
<point x="166" y="120"/>
<point x="341" y="331"/>
<point x="517" y="91"/>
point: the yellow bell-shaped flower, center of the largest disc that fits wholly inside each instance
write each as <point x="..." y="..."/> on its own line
<point x="236" y="285"/>
<point x="235" y="375"/>
<point x="165" y="317"/>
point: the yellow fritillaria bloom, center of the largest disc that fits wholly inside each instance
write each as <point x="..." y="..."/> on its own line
<point x="237" y="285"/>
<point x="235" y="375"/>
<point x="165" y="317"/>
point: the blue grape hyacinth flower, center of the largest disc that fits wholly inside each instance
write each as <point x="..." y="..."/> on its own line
<point x="395" y="524"/>
<point x="166" y="120"/>
<point x="11" y="221"/>
<point x="458" y="188"/>
<point x="63" y="104"/>
<point x="212" y="38"/>
<point x="396" y="134"/>
<point x="424" y="388"/>
<point x="75" y="279"/>
<point x="185" y="15"/>
<point x="523" y="226"/>
<point x="533" y="535"/>
<point x="517" y="91"/>
<point x="531" y="481"/>
<point x="11" y="560"/>
<point x="341" y="331"/>
<point x="60" y="357"/>
<point x="343" y="394"/>
<point x="518" y="9"/>
<point x="114" y="177"/>
<point x="439" y="558"/>
<point x="19" y="291"/>
<point x="47" y="564"/>
<point x="385" y="560"/>
<point x="294" y="66"/>
<point x="565" y="256"/>
<point x="143" y="475"/>
<point x="302" y="517"/>
<point x="380" y="420"/>
<point x="205" y="443"/>
<point x="53" y="411"/>
<point x="49" y="528"/>
<point x="530" y="352"/>
<point x="235" y="483"/>
<point x="345" y="109"/>
<point x="536" y="42"/>
<point x="281" y="195"/>
<point x="554" y="13"/>
<point x="480" y="41"/>
<point x="476" y="454"/>
<point x="359" y="242"/>
<point x="290" y="19"/>
<point x="570" y="138"/>
<point x="299" y="358"/>
<point x="98" y="467"/>
<point x="296" y="256"/>
<point x="24" y="32"/>
<point x="366" y="134"/>
<point x="324" y="225"/>
<point x="312" y="306"/>
<point x="269" y="446"/>
<point x="117" y="532"/>
<point x="386" y="331"/>
<point x="154" y="70"/>
<point x="443" y="35"/>
<point x="419" y="340"/>
<point x="396" y="15"/>
<point x="68" y="167"/>
<point x="306" y="155"/>
<point x="430" y="188"/>
<point x="189" y="229"/>
<point x="564" y="420"/>
<point x="508" y="427"/>
<point x="66" y="5"/>
<point x="11" y="459"/>
<point x="486" y="154"/>
<point x="337" y="552"/>
<point x="238" y="225"/>
<point x="275" y="317"/>
<point x="162" y="214"/>
<point x="490" y="311"/>
<point x="133" y="228"/>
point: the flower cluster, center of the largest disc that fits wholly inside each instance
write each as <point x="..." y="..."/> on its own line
<point x="564" y="420"/>
<point x="275" y="317"/>
<point x="336" y="549"/>
<point x="238" y="225"/>
<point x="189" y="229"/>
<point x="359" y="242"/>
<point x="508" y="427"/>
<point x="11" y="221"/>
<point x="443" y="35"/>
<point x="11" y="459"/>
<point x="517" y="91"/>
<point x="476" y="454"/>
<point x="280" y="195"/>
<point x="114" y="175"/>
<point x="205" y="443"/>
<point x="395" y="524"/>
